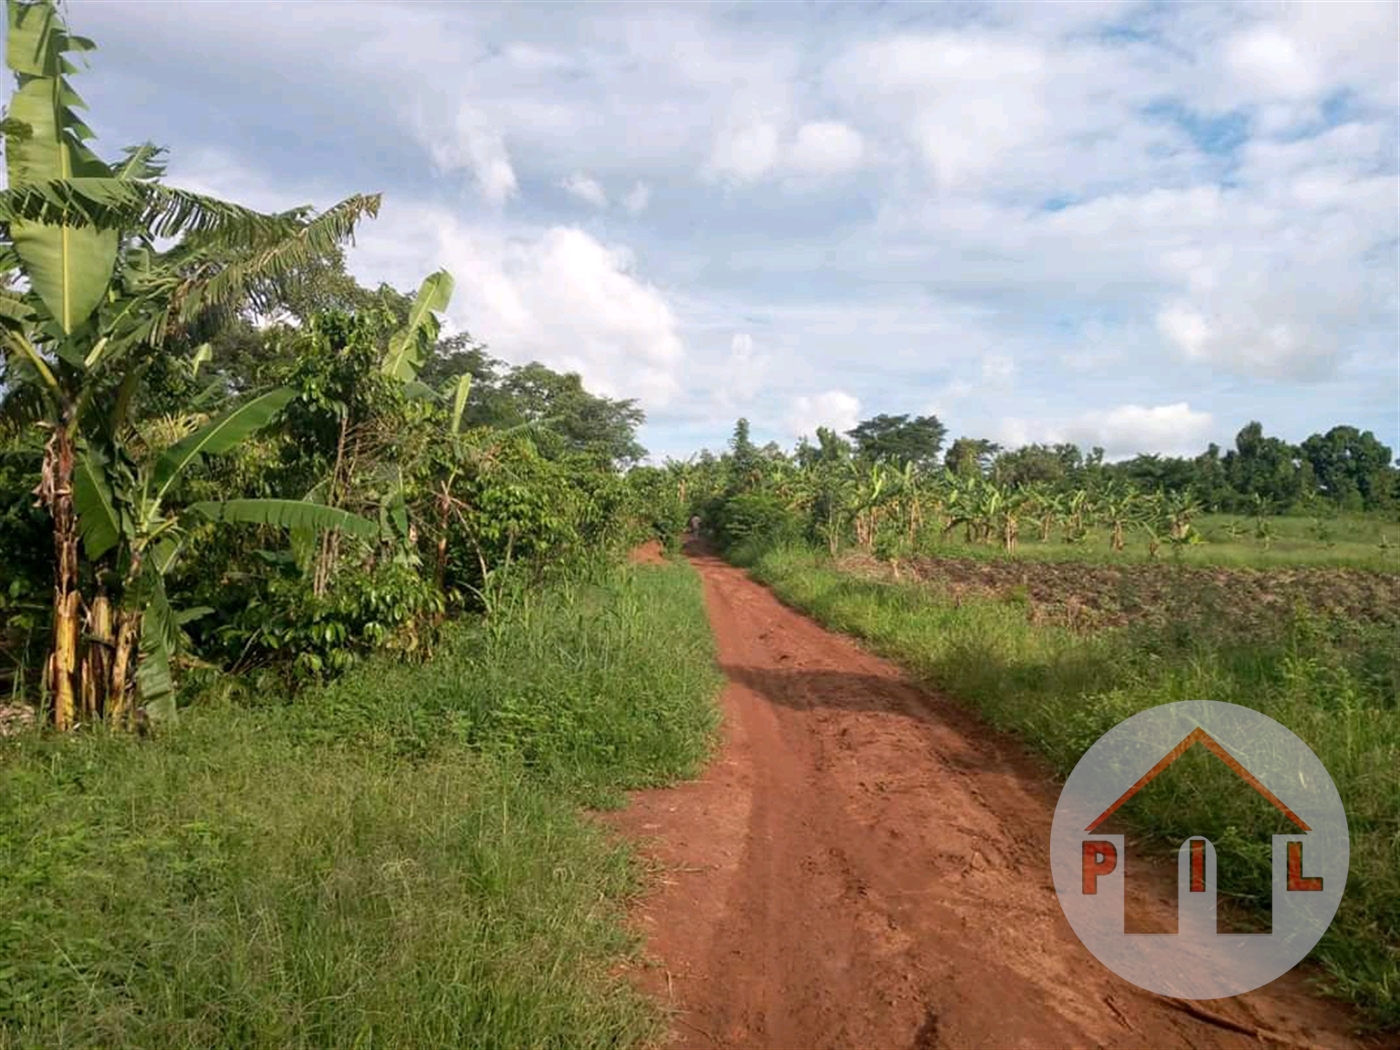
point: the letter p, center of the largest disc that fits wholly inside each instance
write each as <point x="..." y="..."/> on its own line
<point x="1100" y="858"/>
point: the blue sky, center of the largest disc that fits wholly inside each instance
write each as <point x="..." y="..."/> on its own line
<point x="1137" y="225"/>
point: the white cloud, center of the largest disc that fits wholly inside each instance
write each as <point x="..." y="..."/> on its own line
<point x="744" y="370"/>
<point x="746" y="150"/>
<point x="556" y="295"/>
<point x="1270" y="61"/>
<point x="835" y="409"/>
<point x="1127" y="430"/>
<point x="637" y="198"/>
<point x="826" y="148"/>
<point x="1209" y="222"/>
<point x="586" y="189"/>
<point x="472" y="144"/>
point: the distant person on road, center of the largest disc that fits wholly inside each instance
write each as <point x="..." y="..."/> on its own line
<point x="695" y="524"/>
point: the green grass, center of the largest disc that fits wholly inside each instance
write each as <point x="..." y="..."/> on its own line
<point x="1228" y="540"/>
<point x="1337" y="686"/>
<point x="399" y="860"/>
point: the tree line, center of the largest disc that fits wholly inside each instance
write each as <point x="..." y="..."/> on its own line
<point x="1345" y="468"/>
<point x="884" y="488"/>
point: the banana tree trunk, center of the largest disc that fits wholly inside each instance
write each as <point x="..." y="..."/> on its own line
<point x="97" y="658"/>
<point x="55" y="492"/>
<point x="119" y="689"/>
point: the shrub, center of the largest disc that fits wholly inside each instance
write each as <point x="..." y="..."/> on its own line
<point x="755" y="517"/>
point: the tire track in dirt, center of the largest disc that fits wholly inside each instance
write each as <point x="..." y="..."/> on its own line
<point x="866" y="865"/>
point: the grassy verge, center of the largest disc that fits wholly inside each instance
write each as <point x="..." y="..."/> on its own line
<point x="1337" y="686"/>
<point x="397" y="860"/>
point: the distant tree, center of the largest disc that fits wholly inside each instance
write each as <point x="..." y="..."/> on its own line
<point x="900" y="440"/>
<point x="1352" y="468"/>
<point x="1268" y="467"/>
<point x="574" y="420"/>
<point x="830" y="448"/>
<point x="745" y="463"/>
<point x="1211" y="484"/>
<point x="1151" y="472"/>
<point x="1032" y="463"/>
<point x="968" y="457"/>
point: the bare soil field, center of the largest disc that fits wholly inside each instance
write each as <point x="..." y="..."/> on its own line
<point x="865" y="864"/>
<point x="1085" y="595"/>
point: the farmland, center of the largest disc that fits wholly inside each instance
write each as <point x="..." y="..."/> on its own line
<point x="335" y="652"/>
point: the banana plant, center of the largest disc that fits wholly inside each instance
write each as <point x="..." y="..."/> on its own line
<point x="98" y="301"/>
<point x="1181" y="507"/>
<point x="1009" y="506"/>
<point x="410" y="346"/>
<point x="1077" y="504"/>
<point x="407" y="352"/>
<point x="1118" y="507"/>
<point x="1044" y="507"/>
<point x="126" y="507"/>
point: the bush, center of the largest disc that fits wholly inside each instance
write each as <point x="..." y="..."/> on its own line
<point x="755" y="517"/>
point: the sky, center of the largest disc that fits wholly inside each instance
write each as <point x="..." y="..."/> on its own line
<point x="1131" y="225"/>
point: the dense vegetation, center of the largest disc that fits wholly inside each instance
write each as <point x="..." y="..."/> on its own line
<point x="375" y="571"/>
<point x="885" y="493"/>
<point x="239" y="458"/>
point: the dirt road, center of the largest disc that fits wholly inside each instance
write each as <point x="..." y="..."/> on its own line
<point x="865" y="865"/>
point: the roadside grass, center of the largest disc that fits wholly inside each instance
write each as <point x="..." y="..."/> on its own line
<point x="1362" y="541"/>
<point x="1337" y="686"/>
<point x="398" y="860"/>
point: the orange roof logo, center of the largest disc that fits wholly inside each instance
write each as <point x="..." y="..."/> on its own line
<point x="1200" y="736"/>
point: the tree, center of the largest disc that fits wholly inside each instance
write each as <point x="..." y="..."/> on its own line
<point x="1211" y="481"/>
<point x="1352" y="468"/>
<point x="970" y="457"/>
<point x="899" y="440"/>
<point x="745" y="463"/>
<point x="1151" y="471"/>
<point x="1031" y="464"/>
<point x="100" y="304"/>
<point x="1267" y="467"/>
<point x="830" y="448"/>
<point x="569" y="419"/>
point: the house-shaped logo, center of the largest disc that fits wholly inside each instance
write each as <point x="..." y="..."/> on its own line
<point x="1309" y="861"/>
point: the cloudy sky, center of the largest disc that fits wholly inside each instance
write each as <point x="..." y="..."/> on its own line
<point x="1137" y="225"/>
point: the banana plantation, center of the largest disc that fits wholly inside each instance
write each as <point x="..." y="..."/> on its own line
<point x="839" y="498"/>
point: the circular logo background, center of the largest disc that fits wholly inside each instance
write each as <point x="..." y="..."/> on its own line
<point x="1309" y="862"/>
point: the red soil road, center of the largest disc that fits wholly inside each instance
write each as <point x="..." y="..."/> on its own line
<point x="866" y="865"/>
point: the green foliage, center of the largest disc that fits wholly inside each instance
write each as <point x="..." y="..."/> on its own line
<point x="754" y="517"/>
<point x="653" y="490"/>
<point x="305" y="638"/>
<point x="899" y="440"/>
<point x="25" y="541"/>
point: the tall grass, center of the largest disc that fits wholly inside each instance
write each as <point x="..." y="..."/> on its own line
<point x="396" y="861"/>
<point x="1336" y="686"/>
